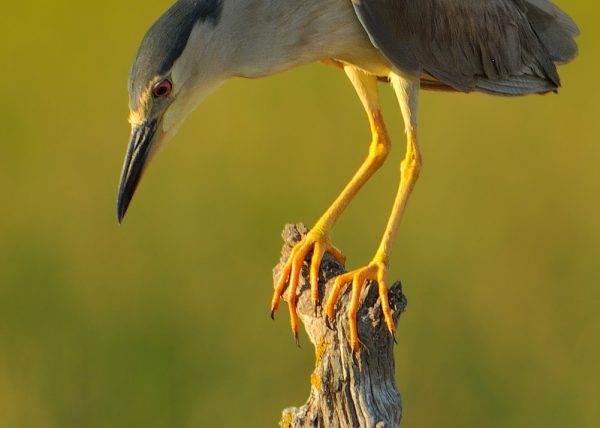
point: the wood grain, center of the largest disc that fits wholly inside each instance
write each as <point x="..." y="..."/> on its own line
<point x="346" y="390"/>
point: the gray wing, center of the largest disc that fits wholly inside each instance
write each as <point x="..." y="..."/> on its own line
<point x="505" y="47"/>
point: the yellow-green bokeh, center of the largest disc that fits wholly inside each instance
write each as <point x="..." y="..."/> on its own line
<point x="163" y="322"/>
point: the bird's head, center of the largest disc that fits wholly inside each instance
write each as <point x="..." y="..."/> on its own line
<point x="175" y="68"/>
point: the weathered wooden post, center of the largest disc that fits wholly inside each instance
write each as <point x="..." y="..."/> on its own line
<point x="346" y="390"/>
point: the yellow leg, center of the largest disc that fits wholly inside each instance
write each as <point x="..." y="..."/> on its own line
<point x="376" y="270"/>
<point x="317" y="240"/>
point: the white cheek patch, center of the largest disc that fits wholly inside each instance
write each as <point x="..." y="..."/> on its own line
<point x="193" y="79"/>
<point x="172" y="118"/>
<point x="184" y="104"/>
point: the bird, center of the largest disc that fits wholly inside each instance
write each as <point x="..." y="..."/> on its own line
<point x="496" y="47"/>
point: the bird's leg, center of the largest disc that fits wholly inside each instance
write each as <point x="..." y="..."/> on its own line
<point x="317" y="240"/>
<point x="376" y="270"/>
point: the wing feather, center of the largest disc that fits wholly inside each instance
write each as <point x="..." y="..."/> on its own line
<point x="505" y="47"/>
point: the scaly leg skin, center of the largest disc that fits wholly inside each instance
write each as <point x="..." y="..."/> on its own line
<point x="317" y="240"/>
<point x="407" y="93"/>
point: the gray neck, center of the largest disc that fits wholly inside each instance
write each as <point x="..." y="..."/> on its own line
<point x="268" y="36"/>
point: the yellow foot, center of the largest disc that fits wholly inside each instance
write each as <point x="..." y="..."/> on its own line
<point x="374" y="271"/>
<point x="319" y="244"/>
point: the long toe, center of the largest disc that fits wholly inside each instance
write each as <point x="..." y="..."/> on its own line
<point x="375" y="271"/>
<point x="318" y="244"/>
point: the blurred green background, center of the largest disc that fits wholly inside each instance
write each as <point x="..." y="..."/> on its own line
<point x="163" y="322"/>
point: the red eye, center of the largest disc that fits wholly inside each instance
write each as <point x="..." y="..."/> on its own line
<point x="162" y="88"/>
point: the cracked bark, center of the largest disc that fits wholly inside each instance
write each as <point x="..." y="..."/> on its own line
<point x="345" y="390"/>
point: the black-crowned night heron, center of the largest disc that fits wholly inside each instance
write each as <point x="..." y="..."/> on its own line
<point x="499" y="47"/>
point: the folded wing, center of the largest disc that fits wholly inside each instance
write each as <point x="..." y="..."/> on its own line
<point x="503" y="47"/>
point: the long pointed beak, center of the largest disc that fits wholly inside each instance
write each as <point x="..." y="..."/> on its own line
<point x="136" y="159"/>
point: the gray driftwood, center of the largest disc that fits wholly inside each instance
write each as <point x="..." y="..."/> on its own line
<point x="345" y="390"/>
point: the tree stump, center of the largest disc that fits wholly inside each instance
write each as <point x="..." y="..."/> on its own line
<point x="347" y="390"/>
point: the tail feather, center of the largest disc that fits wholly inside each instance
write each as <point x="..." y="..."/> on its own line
<point x="516" y="86"/>
<point x="555" y="30"/>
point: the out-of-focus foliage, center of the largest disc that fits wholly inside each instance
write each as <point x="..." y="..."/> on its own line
<point x="163" y="322"/>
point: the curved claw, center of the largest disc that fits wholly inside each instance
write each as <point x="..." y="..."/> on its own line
<point x="385" y="303"/>
<point x="374" y="271"/>
<point x="281" y="286"/>
<point x="329" y="322"/>
<point x="289" y="280"/>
